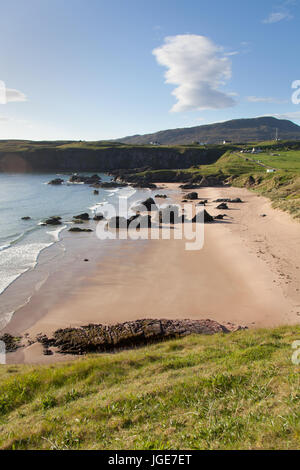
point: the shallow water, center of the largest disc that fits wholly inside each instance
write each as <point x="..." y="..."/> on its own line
<point x="22" y="242"/>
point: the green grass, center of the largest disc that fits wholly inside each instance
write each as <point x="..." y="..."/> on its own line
<point x="237" y="391"/>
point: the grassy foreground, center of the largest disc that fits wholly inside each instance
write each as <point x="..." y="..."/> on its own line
<point x="237" y="391"/>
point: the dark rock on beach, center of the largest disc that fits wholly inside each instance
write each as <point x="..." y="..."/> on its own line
<point x="94" y="179"/>
<point x="54" y="220"/>
<point x="98" y="217"/>
<point x="207" y="218"/>
<point x="78" y="229"/>
<point x="192" y="196"/>
<point x="237" y="200"/>
<point x="222" y="206"/>
<point x="102" y="338"/>
<point x="56" y="181"/>
<point x="26" y="218"/>
<point x="84" y="216"/>
<point x="137" y="221"/>
<point x="148" y="205"/>
<point x="142" y="185"/>
<point x="12" y="343"/>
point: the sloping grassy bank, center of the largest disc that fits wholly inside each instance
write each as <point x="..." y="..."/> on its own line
<point x="244" y="170"/>
<point x="203" y="392"/>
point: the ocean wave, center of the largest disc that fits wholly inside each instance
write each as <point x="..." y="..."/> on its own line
<point x="17" y="260"/>
<point x="17" y="237"/>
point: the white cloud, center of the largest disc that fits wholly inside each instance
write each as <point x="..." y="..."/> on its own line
<point x="257" y="99"/>
<point x="198" y="67"/>
<point x="15" y="95"/>
<point x="278" y="16"/>
<point x="281" y="12"/>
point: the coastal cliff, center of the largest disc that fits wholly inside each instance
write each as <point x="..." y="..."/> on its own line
<point x="52" y="159"/>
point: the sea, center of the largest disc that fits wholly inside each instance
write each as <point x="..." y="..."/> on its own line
<point x="23" y="241"/>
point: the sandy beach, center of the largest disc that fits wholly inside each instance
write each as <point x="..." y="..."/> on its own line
<point x="247" y="273"/>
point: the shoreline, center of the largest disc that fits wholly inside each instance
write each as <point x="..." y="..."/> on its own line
<point x="246" y="274"/>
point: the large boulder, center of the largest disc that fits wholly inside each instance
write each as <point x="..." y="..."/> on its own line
<point x="222" y="206"/>
<point x="78" y="229"/>
<point x="94" y="179"/>
<point x="84" y="216"/>
<point x="146" y="206"/>
<point x="54" y="220"/>
<point x="98" y="217"/>
<point x="207" y="218"/>
<point x="56" y="181"/>
<point x="192" y="196"/>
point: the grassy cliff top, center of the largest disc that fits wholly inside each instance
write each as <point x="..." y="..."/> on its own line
<point x="203" y="392"/>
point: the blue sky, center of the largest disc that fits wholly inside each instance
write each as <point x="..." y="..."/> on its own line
<point x="95" y="69"/>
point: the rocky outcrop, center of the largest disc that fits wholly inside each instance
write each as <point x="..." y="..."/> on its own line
<point x="84" y="216"/>
<point x="79" y="229"/>
<point x="98" y="217"/>
<point x="26" y="218"/>
<point x="102" y="338"/>
<point x="143" y="185"/>
<point x="207" y="218"/>
<point x="222" y="206"/>
<point x="237" y="200"/>
<point x="135" y="221"/>
<point x="54" y="220"/>
<point x="148" y="205"/>
<point x="104" y="159"/>
<point x="161" y="196"/>
<point x="192" y="196"/>
<point x="56" y="181"/>
<point x="12" y="343"/>
<point x="94" y="179"/>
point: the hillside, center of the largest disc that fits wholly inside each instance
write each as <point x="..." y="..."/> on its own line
<point x="236" y="391"/>
<point x="239" y="130"/>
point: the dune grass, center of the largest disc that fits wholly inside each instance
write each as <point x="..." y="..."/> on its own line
<point x="237" y="391"/>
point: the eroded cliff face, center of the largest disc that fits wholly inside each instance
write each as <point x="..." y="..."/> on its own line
<point x="108" y="159"/>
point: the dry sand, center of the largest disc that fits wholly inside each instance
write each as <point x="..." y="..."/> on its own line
<point x="247" y="273"/>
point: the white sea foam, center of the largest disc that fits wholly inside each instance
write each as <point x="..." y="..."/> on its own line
<point x="55" y="233"/>
<point x="18" y="259"/>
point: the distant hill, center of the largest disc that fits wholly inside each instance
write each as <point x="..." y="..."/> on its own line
<point x="238" y="130"/>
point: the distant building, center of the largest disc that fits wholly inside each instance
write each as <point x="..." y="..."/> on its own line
<point x="256" y="150"/>
<point x="154" y="143"/>
<point x="227" y="142"/>
<point x="271" y="170"/>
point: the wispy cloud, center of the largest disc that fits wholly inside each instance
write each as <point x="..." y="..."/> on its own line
<point x="280" y="12"/>
<point x="198" y="68"/>
<point x="257" y="99"/>
<point x="15" y="95"/>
